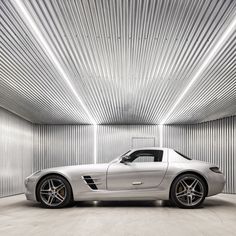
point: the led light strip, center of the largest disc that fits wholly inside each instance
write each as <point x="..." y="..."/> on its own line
<point x="95" y="144"/>
<point x="23" y="12"/>
<point x="161" y="135"/>
<point x="231" y="28"/>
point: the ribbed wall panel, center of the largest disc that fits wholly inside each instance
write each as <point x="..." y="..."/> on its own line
<point x="62" y="145"/>
<point x="16" y="152"/>
<point x="214" y="142"/>
<point x="113" y="140"/>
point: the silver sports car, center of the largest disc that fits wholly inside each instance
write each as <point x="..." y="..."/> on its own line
<point x="139" y="174"/>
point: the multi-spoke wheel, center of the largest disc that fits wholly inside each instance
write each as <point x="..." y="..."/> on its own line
<point x="54" y="192"/>
<point x="188" y="191"/>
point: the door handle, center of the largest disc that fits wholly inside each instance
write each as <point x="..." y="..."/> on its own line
<point x="137" y="183"/>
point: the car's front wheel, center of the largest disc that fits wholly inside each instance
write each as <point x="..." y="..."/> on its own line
<point x="188" y="191"/>
<point x="54" y="192"/>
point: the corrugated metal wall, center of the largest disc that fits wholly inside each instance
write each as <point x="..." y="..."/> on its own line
<point x="57" y="145"/>
<point x="213" y="141"/>
<point x="113" y="140"/>
<point x="61" y="145"/>
<point x="16" y="151"/>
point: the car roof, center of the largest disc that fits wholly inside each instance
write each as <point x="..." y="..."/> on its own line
<point x="149" y="148"/>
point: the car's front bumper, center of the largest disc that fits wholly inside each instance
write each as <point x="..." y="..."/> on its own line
<point x="30" y="187"/>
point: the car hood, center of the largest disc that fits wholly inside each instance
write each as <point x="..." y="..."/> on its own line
<point x="78" y="168"/>
<point x="103" y="167"/>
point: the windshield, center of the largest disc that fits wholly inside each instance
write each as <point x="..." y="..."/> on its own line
<point x="183" y="155"/>
<point x="120" y="156"/>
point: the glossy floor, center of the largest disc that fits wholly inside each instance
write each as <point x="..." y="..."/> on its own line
<point x="216" y="217"/>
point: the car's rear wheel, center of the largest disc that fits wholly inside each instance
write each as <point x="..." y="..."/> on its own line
<point x="54" y="192"/>
<point x="188" y="191"/>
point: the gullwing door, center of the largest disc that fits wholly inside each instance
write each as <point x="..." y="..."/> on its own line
<point x="143" y="169"/>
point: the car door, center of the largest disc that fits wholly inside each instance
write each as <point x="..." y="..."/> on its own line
<point x="145" y="170"/>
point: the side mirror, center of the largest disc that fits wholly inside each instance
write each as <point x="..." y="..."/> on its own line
<point x="125" y="159"/>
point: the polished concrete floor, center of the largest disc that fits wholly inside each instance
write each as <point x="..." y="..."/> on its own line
<point x="216" y="217"/>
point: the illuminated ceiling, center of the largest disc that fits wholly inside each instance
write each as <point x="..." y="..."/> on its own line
<point x="118" y="62"/>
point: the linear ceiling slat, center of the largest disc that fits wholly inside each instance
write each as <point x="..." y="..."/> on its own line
<point x="128" y="60"/>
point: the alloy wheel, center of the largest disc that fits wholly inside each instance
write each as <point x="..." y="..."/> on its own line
<point x="189" y="191"/>
<point x="53" y="192"/>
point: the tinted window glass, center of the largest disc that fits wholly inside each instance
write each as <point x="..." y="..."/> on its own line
<point x="146" y="156"/>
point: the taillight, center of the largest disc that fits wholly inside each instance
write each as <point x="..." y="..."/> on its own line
<point x="216" y="170"/>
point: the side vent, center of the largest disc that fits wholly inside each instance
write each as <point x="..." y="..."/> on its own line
<point x="88" y="179"/>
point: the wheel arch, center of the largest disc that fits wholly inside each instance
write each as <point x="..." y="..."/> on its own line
<point x="53" y="173"/>
<point x="190" y="172"/>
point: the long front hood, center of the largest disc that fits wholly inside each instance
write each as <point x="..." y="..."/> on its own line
<point x="82" y="169"/>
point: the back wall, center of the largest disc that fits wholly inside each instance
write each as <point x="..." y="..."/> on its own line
<point x="212" y="141"/>
<point x="27" y="147"/>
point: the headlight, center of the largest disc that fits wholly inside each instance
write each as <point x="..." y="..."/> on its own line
<point x="216" y="170"/>
<point x="32" y="177"/>
<point x="36" y="172"/>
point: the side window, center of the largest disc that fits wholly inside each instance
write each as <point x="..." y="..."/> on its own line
<point x="147" y="156"/>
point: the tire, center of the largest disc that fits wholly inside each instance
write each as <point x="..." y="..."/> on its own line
<point x="188" y="191"/>
<point x="54" y="191"/>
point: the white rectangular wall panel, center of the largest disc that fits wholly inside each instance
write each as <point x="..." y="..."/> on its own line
<point x="16" y="152"/>
<point x="140" y="142"/>
<point x="113" y="140"/>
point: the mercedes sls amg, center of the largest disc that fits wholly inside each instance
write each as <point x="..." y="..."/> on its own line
<point x="139" y="174"/>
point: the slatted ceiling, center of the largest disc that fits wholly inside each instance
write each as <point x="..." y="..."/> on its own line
<point x="215" y="90"/>
<point x="30" y="85"/>
<point x="128" y="60"/>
